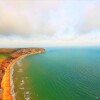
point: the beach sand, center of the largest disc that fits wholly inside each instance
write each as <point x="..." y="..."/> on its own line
<point x="5" y="84"/>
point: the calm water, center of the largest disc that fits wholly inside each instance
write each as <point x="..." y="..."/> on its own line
<point x="66" y="73"/>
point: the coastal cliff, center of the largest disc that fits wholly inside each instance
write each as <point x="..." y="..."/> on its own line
<point x="5" y="68"/>
<point x="19" y="52"/>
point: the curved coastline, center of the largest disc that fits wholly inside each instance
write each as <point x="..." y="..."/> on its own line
<point x="7" y="82"/>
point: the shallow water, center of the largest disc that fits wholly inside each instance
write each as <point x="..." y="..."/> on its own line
<point x="62" y="73"/>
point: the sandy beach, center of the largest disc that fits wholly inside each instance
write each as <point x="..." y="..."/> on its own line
<point x="6" y="82"/>
<point x="6" y="92"/>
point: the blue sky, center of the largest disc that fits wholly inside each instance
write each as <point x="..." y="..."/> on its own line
<point x="49" y="22"/>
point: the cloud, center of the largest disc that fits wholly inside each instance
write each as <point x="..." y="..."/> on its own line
<point x="37" y="16"/>
<point x="86" y="39"/>
<point x="91" y="19"/>
<point x="48" y="21"/>
<point x="26" y="17"/>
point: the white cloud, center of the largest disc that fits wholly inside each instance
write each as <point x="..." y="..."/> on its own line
<point x="27" y="17"/>
<point x="48" y="22"/>
<point x="91" y="19"/>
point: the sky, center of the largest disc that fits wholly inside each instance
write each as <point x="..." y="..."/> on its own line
<point x="29" y="23"/>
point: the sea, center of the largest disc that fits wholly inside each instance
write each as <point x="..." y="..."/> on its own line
<point x="60" y="73"/>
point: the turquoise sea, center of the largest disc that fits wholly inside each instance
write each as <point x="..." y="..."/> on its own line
<point x="61" y="73"/>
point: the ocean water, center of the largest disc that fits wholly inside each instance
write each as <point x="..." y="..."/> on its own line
<point x="61" y="73"/>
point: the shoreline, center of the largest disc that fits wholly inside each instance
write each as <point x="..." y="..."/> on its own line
<point x="7" y="82"/>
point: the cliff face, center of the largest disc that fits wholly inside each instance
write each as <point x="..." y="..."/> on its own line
<point x="25" y="51"/>
<point x="15" y="54"/>
<point x="19" y="52"/>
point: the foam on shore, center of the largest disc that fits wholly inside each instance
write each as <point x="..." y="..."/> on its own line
<point x="11" y="82"/>
<point x="7" y="84"/>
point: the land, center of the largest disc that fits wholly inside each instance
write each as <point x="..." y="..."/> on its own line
<point x="8" y="57"/>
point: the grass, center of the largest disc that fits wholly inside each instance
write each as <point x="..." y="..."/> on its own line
<point x="3" y="56"/>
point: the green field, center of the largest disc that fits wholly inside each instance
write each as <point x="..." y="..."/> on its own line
<point x="3" y="56"/>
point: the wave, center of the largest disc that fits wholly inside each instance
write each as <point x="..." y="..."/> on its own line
<point x="19" y="62"/>
<point x="11" y="82"/>
<point x="21" y="82"/>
